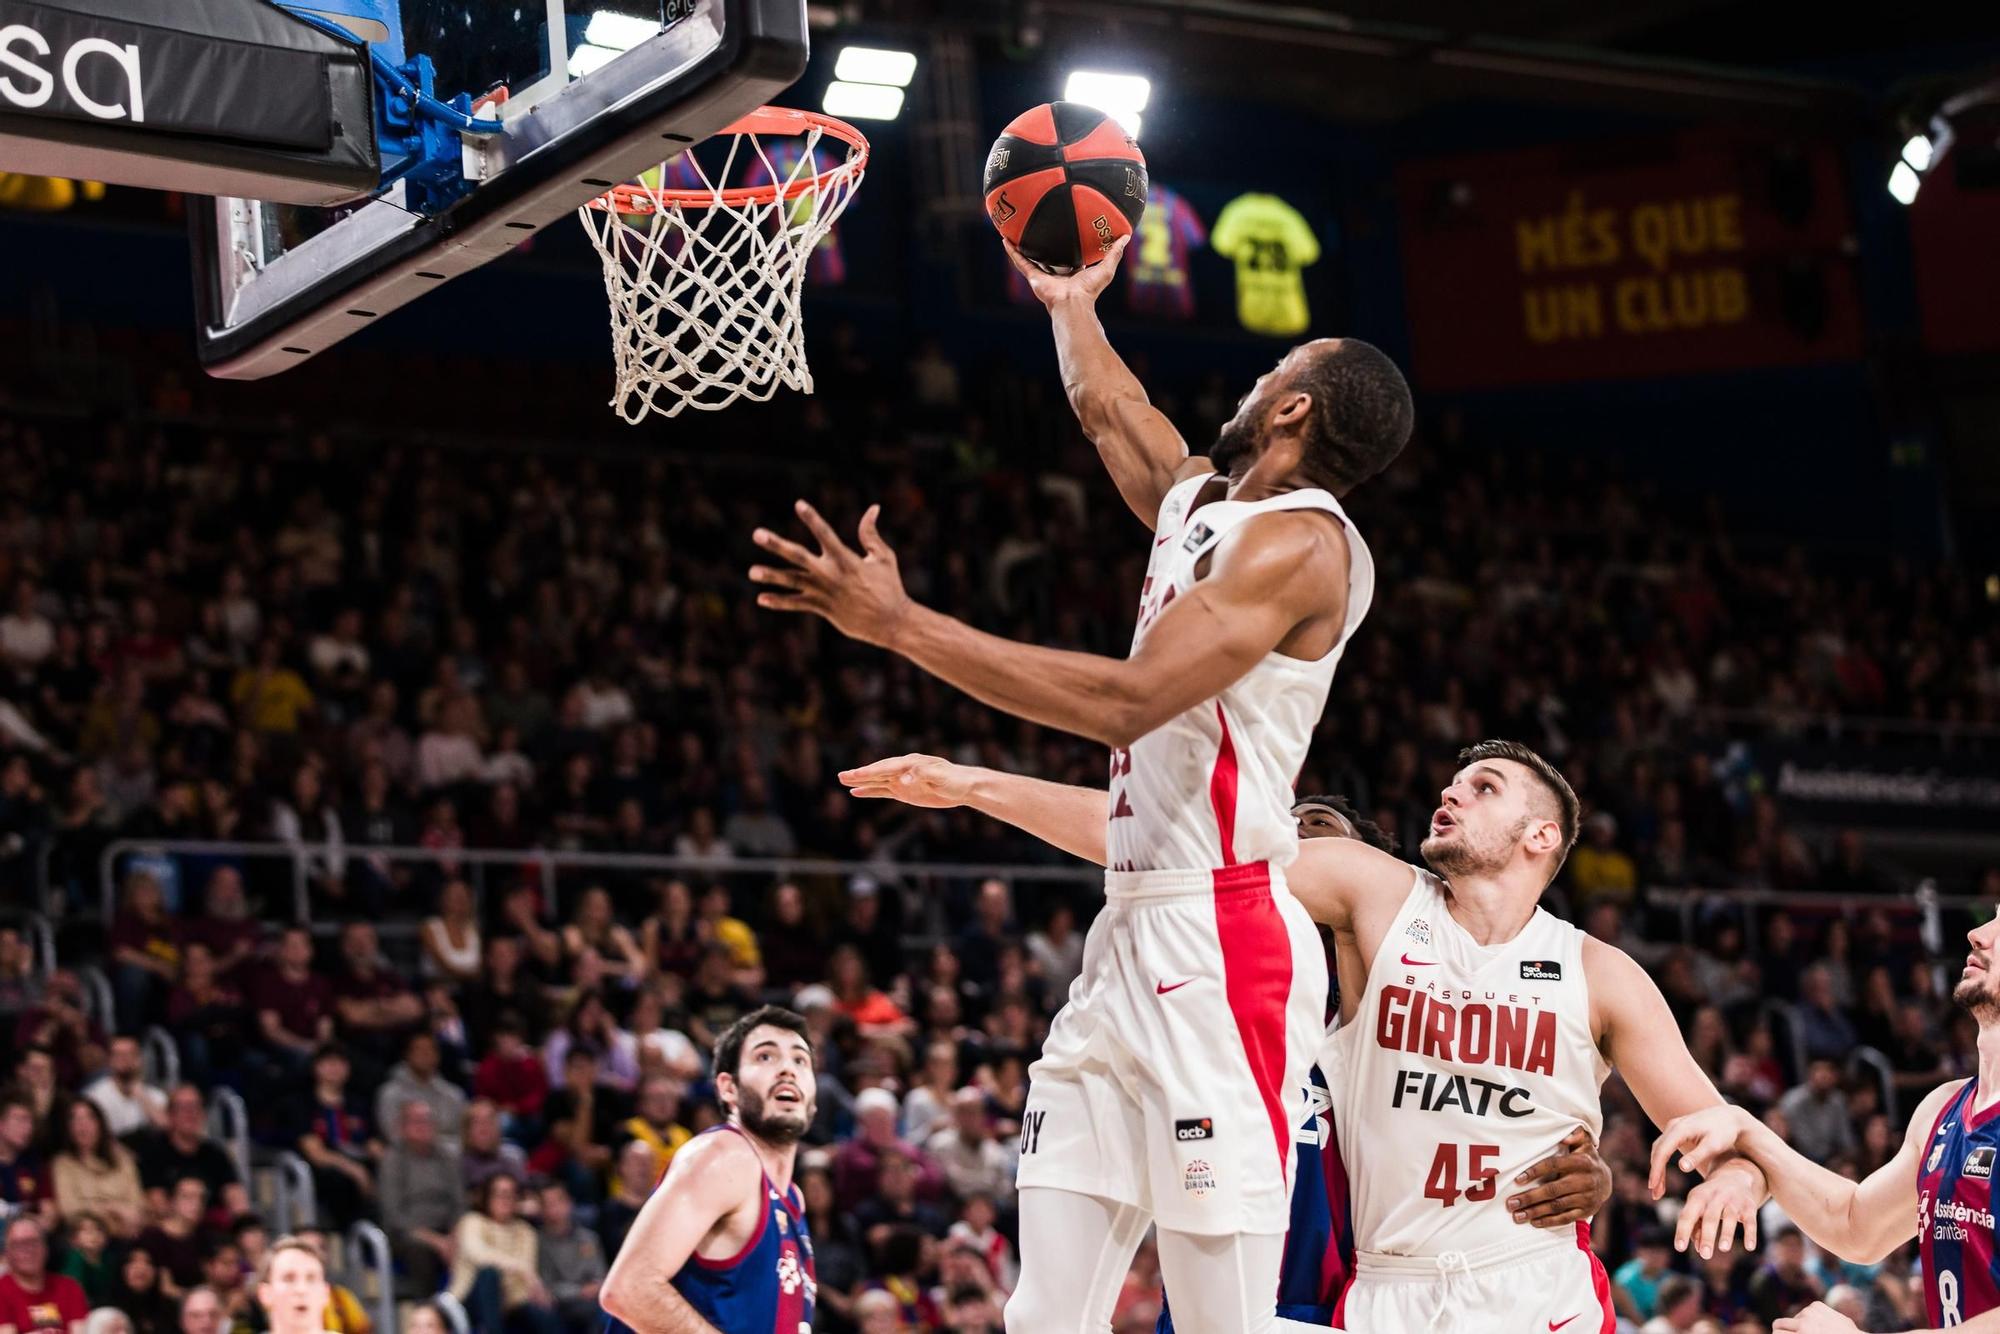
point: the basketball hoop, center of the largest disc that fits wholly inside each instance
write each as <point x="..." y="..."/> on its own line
<point x="705" y="276"/>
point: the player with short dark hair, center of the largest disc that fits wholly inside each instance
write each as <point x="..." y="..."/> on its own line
<point x="1938" y="1187"/>
<point x="1476" y="1032"/>
<point x="721" y="1246"/>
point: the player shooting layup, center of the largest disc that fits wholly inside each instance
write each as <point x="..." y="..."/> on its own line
<point x="1161" y="1093"/>
<point x="1475" y="1032"/>
<point x="1939" y="1185"/>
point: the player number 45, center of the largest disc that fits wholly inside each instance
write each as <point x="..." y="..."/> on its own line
<point x="1442" y="1183"/>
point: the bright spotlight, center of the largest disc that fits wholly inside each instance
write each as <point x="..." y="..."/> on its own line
<point x="1918" y="152"/>
<point x="1904" y="183"/>
<point x="1121" y="96"/>
<point x="863" y="101"/>
<point x="620" y="32"/>
<point x="867" y="64"/>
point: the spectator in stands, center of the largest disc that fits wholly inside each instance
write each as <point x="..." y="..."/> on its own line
<point x="857" y="1164"/>
<point x="637" y="1172"/>
<point x="590" y="1028"/>
<point x="25" y="1184"/>
<point x="1825" y="1030"/>
<point x="872" y="1011"/>
<point x="582" y="1118"/>
<point x="495" y="1268"/>
<point x="145" y="951"/>
<point x="334" y="1132"/>
<point x="35" y="1080"/>
<point x="793" y="950"/>
<point x="511" y="1074"/>
<point x="671" y="939"/>
<point x="1679" y="1306"/>
<point x="28" y="1287"/>
<point x="294" y="1005"/>
<point x="86" y="1257"/>
<point x="269" y="696"/>
<point x="128" y="1102"/>
<point x="594" y="930"/>
<point x="1055" y="953"/>
<point x="1816" y="1111"/>
<point x="570" y="1260"/>
<point x="450" y="940"/>
<point x="505" y="988"/>
<point x="179" y="1240"/>
<point x="56" y="1024"/>
<point x="894" y="1200"/>
<point x="222" y="1274"/>
<point x="872" y="928"/>
<point x="187" y="1151"/>
<point x="974" y="1162"/>
<point x="139" y="1295"/>
<point x="378" y="1011"/>
<point x="657" y="1123"/>
<point x="206" y="1017"/>
<point x="1598" y="868"/>
<point x="927" y="1106"/>
<point x="755" y="829"/>
<point x="701" y="843"/>
<point x="1636" y="1285"/>
<point x="96" y="1175"/>
<point x="978" y="946"/>
<point x="484" y="1152"/>
<point x="422" y="1196"/>
<point x="1783" y="1285"/>
<point x="417" y="1078"/>
<point x="201" y="1312"/>
<point x="427" y="1319"/>
<point x="716" y="923"/>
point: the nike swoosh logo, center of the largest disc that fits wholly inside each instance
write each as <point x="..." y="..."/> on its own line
<point x="1161" y="988"/>
<point x="1428" y="963"/>
<point x="1555" y="1325"/>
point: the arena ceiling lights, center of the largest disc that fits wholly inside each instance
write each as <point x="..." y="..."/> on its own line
<point x="868" y="83"/>
<point x="1120" y="96"/>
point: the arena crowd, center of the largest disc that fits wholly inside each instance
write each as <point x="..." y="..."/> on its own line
<point x="318" y="643"/>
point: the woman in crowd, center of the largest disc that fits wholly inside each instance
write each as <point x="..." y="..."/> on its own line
<point x="495" y="1269"/>
<point x="95" y="1174"/>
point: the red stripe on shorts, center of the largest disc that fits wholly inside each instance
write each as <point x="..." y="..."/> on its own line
<point x="1257" y="977"/>
<point x="1222" y="788"/>
<point x="1600" y="1282"/>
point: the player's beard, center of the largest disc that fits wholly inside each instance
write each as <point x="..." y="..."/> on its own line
<point x="783" y="1124"/>
<point x="1236" y="443"/>
<point x="1467" y="855"/>
<point x="1974" y="995"/>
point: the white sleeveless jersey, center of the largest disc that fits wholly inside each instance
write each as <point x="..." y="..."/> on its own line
<point x="1463" y="1064"/>
<point x="1213" y="787"/>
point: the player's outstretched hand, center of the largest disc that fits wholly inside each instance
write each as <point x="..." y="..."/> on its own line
<point x="914" y="780"/>
<point x="1700" y="1138"/>
<point x="1819" y="1318"/>
<point x="1569" y="1186"/>
<point x="860" y="592"/>
<point x="1087" y="282"/>
<point x="1717" y="1207"/>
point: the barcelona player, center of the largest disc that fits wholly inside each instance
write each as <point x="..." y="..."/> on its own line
<point x="1940" y="1183"/>
<point x="721" y="1247"/>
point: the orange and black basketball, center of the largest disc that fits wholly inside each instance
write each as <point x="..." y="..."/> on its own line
<point x="1064" y="182"/>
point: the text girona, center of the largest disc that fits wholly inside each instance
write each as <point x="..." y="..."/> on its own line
<point x="1472" y="1033"/>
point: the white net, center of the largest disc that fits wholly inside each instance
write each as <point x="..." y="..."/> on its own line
<point x="705" y="275"/>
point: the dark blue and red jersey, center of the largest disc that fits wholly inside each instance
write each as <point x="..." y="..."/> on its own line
<point x="768" y="1287"/>
<point x="1319" y="1243"/>
<point x="1955" y="1211"/>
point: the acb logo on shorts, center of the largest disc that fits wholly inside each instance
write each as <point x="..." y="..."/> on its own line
<point x="1201" y="1127"/>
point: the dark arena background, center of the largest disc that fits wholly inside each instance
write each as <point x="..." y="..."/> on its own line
<point x="399" y="727"/>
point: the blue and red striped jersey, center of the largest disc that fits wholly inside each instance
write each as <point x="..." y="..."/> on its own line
<point x="1319" y="1243"/>
<point x="768" y="1287"/>
<point x="1955" y="1211"/>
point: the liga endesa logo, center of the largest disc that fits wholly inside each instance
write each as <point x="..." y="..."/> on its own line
<point x="26" y="84"/>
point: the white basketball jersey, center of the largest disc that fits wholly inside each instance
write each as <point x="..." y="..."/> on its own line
<point x="1463" y="1064"/>
<point x="1213" y="787"/>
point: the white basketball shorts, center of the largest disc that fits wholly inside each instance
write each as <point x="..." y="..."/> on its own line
<point x="1551" y="1281"/>
<point x="1167" y="1082"/>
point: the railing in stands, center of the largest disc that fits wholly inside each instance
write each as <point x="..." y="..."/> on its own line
<point x="100" y="1002"/>
<point x="162" y="1055"/>
<point x="43" y="933"/>
<point x="1885" y="1075"/>
<point x="229" y="1121"/>
<point x="368" y="1253"/>
<point x="297" y="1203"/>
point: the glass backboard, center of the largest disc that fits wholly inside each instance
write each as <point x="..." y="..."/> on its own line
<point x="590" y="93"/>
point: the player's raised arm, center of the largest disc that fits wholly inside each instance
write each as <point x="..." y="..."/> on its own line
<point x="710" y="1177"/>
<point x="1070" y="818"/>
<point x="1339" y="878"/>
<point x="1640" y="1037"/>
<point x="1861" y="1221"/>
<point x="1273" y="575"/>
<point x="1140" y="447"/>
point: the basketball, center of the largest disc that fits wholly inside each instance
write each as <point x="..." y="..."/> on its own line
<point x="1063" y="182"/>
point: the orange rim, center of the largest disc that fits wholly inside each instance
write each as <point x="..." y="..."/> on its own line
<point x="764" y="120"/>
